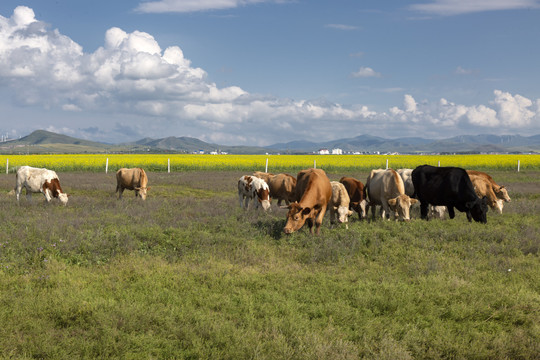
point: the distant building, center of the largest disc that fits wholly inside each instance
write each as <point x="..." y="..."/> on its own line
<point x="337" y="152"/>
<point x="324" y="152"/>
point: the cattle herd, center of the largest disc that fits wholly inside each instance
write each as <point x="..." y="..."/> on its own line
<point x="437" y="189"/>
<point x="311" y="193"/>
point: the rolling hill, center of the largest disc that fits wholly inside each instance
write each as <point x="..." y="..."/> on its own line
<point x="41" y="141"/>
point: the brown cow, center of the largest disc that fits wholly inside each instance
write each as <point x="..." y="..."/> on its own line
<point x="484" y="185"/>
<point x="357" y="194"/>
<point x="132" y="179"/>
<point x="313" y="192"/>
<point x="282" y="186"/>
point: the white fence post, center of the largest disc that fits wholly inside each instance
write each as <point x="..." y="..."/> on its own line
<point x="386" y="164"/>
<point x="518" y="165"/>
<point x="439" y="163"/>
<point x="314" y="164"/>
<point x="266" y="168"/>
<point x="169" y="165"/>
<point x="7" y="165"/>
<point x="107" y="166"/>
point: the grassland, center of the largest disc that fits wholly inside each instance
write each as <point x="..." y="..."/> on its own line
<point x="189" y="275"/>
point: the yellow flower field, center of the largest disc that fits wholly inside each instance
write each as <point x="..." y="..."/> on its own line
<point x="180" y="162"/>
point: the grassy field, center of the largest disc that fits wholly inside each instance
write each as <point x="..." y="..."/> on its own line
<point x="189" y="275"/>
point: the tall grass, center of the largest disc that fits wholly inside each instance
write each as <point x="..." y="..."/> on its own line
<point x="188" y="274"/>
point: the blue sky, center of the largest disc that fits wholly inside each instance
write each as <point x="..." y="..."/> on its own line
<point x="256" y="72"/>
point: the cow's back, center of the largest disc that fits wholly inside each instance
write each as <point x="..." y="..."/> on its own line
<point x="355" y="188"/>
<point x="313" y="186"/>
<point x="130" y="178"/>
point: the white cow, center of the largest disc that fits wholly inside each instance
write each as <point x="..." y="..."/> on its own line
<point x="339" y="203"/>
<point x="434" y="211"/>
<point x="36" y="180"/>
<point x="253" y="188"/>
<point x="385" y="188"/>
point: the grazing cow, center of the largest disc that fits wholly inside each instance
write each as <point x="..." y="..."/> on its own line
<point x="450" y="187"/>
<point x="357" y="194"/>
<point x="282" y="186"/>
<point x="484" y="185"/>
<point x="132" y="179"/>
<point x="263" y="175"/>
<point x="253" y="188"/>
<point x="385" y="188"/>
<point x="339" y="203"/>
<point x="36" y="180"/>
<point x="313" y="193"/>
<point x="406" y="175"/>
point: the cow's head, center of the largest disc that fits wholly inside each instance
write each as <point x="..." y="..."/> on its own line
<point x="360" y="208"/>
<point x="402" y="205"/>
<point x="296" y="217"/>
<point x="502" y="193"/>
<point x="478" y="209"/>
<point x="141" y="191"/>
<point x="63" y="197"/>
<point x="263" y="197"/>
<point x="343" y="213"/>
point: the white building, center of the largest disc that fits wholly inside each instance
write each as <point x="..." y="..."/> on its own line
<point x="324" y="152"/>
<point x="337" y="152"/>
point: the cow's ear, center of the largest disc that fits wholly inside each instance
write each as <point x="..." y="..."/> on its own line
<point x="413" y="201"/>
<point x="392" y="202"/>
<point x="148" y="188"/>
<point x="306" y="211"/>
<point x="350" y="213"/>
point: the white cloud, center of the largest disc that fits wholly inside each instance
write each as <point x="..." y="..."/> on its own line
<point x="162" y="93"/>
<point x="365" y="72"/>
<point x="341" y="27"/>
<point x="183" y="6"/>
<point x="461" y="71"/>
<point x="456" y="7"/>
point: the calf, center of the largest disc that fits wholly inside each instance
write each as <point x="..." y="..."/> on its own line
<point x="253" y="188"/>
<point x="339" y="203"/>
<point x="357" y="194"/>
<point x="36" y="180"/>
<point x="450" y="187"/>
<point x="385" y="188"/>
<point x="282" y="186"/>
<point x="313" y="193"/>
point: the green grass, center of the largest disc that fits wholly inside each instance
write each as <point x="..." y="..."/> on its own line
<point x="189" y="275"/>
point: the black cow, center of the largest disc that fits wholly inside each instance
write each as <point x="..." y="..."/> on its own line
<point x="450" y="187"/>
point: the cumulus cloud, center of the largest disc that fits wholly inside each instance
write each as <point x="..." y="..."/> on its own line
<point x="457" y="7"/>
<point x="365" y="72"/>
<point x="158" y="92"/>
<point x="183" y="6"/>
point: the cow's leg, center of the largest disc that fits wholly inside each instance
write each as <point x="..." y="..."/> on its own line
<point x="47" y="194"/>
<point x="18" y="191"/>
<point x="469" y="216"/>
<point x="332" y="215"/>
<point x="309" y="222"/>
<point x="319" y="220"/>
<point x="451" y="212"/>
<point x="120" y="192"/>
<point x="246" y="202"/>
<point x="424" y="210"/>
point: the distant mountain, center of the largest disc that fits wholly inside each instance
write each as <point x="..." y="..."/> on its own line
<point x="41" y="141"/>
<point x="459" y="144"/>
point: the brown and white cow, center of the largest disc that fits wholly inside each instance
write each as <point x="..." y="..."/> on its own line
<point x="36" y="180"/>
<point x="436" y="212"/>
<point x="386" y="188"/>
<point x="357" y="194"/>
<point x="313" y="193"/>
<point x="282" y="186"/>
<point x="339" y="204"/>
<point x="484" y="185"/>
<point x="253" y="188"/>
<point x="132" y="179"/>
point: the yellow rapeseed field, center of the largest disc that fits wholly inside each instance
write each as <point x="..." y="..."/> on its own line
<point x="180" y="162"/>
